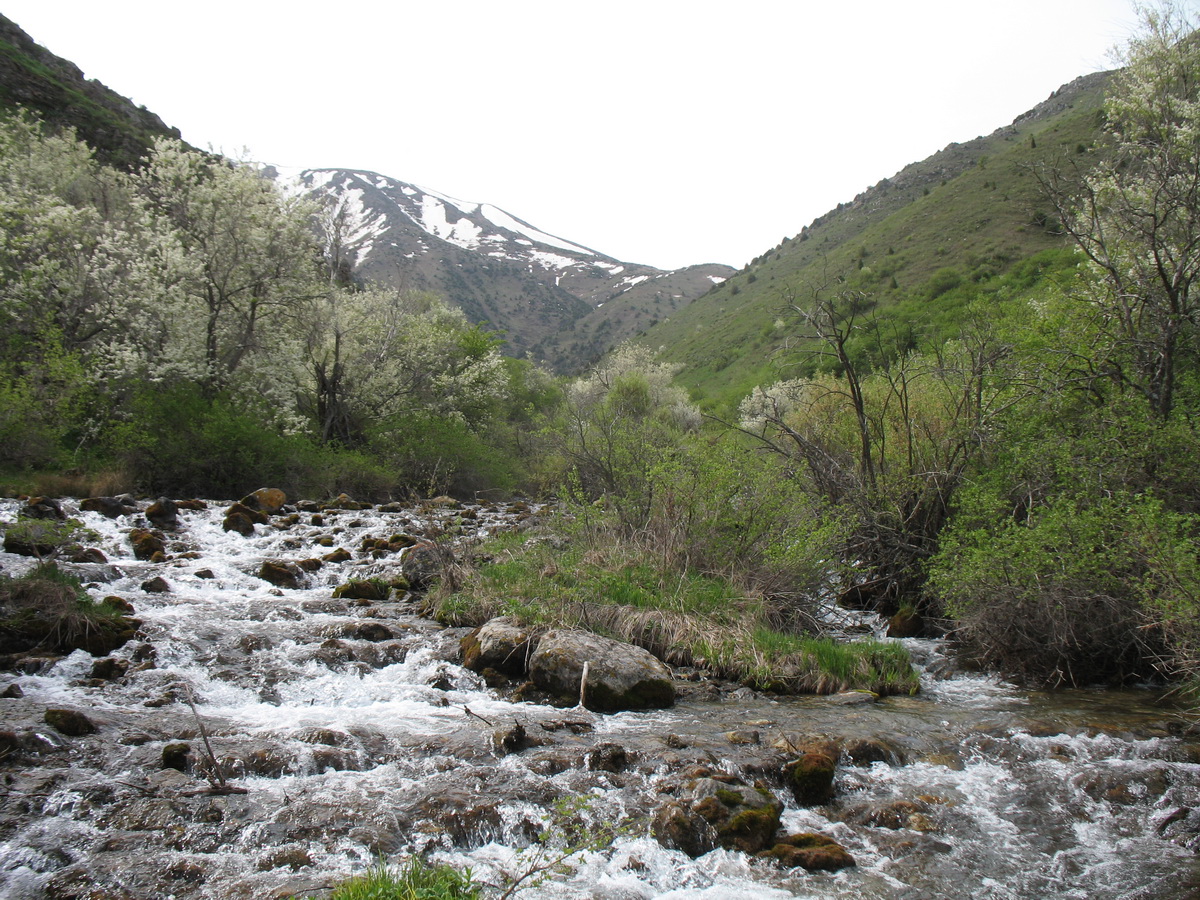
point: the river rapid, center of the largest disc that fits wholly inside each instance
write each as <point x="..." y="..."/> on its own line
<point x="350" y="734"/>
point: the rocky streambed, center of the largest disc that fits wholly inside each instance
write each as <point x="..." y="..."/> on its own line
<point x="262" y="737"/>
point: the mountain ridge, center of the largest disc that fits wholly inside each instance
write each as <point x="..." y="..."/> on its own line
<point x="559" y="302"/>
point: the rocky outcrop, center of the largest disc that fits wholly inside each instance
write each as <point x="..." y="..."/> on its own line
<point x="620" y="676"/>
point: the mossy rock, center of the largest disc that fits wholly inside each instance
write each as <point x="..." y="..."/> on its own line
<point x="146" y="543"/>
<point x="810" y="778"/>
<point x="500" y="644"/>
<point x="907" y="623"/>
<point x="363" y="589"/>
<point x="257" y="516"/>
<point x="239" y="524"/>
<point x="69" y="722"/>
<point x="810" y="851"/>
<point x="718" y="811"/>
<point x="267" y="500"/>
<point x="283" y="573"/>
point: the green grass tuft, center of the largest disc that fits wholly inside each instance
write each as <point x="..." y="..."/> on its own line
<point x="416" y="880"/>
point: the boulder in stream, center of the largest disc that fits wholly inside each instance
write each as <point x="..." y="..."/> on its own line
<point x="283" y="573"/>
<point x="265" y="500"/>
<point x="109" y="507"/>
<point x="146" y="543"/>
<point x="163" y="513"/>
<point x="809" y="851"/>
<point x="498" y="644"/>
<point x="620" y="676"/>
<point x="717" y="810"/>
<point x="810" y="775"/>
<point x="70" y="722"/>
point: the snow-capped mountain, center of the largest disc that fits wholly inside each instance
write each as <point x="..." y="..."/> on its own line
<point x="561" y="303"/>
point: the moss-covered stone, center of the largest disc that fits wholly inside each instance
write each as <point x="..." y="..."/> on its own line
<point x="146" y="543"/>
<point x="69" y="722"/>
<point x="810" y="851"/>
<point x="371" y="589"/>
<point x="810" y="778"/>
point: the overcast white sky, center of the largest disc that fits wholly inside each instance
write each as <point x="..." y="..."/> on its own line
<point x="665" y="132"/>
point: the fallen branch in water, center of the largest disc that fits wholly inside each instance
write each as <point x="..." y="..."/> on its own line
<point x="467" y="710"/>
<point x="219" y="786"/>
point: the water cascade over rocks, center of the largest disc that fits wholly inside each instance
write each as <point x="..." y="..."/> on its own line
<point x="265" y="734"/>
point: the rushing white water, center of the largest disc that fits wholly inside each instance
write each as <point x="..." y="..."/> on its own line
<point x="353" y="742"/>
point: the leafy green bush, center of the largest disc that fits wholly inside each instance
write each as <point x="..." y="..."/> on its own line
<point x="177" y="440"/>
<point x="431" y="454"/>
<point x="1057" y="597"/>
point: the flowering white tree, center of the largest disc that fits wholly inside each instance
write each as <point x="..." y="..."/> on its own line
<point x="378" y="354"/>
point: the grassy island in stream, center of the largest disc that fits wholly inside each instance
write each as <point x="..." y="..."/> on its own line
<point x="684" y="618"/>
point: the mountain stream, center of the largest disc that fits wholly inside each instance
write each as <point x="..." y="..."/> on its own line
<point x="347" y="733"/>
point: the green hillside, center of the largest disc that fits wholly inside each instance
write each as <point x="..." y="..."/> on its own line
<point x="33" y="78"/>
<point x="968" y="222"/>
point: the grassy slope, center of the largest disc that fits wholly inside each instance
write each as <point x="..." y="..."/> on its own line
<point x="975" y="208"/>
<point x="54" y="89"/>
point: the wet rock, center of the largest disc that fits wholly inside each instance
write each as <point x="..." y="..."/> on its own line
<point x="423" y="563"/>
<point x="370" y="589"/>
<point x="1181" y="826"/>
<point x="109" y="668"/>
<point x="294" y="858"/>
<point x="178" y="756"/>
<point x="70" y="722"/>
<point x="907" y="623"/>
<point x="88" y="555"/>
<point x="43" y="508"/>
<point x="620" y="676"/>
<point x="852" y="698"/>
<point x="676" y="828"/>
<point x="156" y="585"/>
<point x="511" y="739"/>
<point x="146" y="543"/>
<point x="109" y="507"/>
<point x="865" y="751"/>
<point x="810" y="777"/>
<point x="717" y="811"/>
<point x="340" y="555"/>
<point x="163" y="513"/>
<point x="283" y="573"/>
<point x="809" y="851"/>
<point x="187" y="871"/>
<point x="265" y="500"/>
<point x="742" y="737"/>
<point x="498" y="644"/>
<point x="206" y="574"/>
<point x="894" y="815"/>
<point x="239" y="523"/>
<point x="607" y="757"/>
<point x="368" y="631"/>
<point x="344" y="501"/>
<point x="12" y="692"/>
